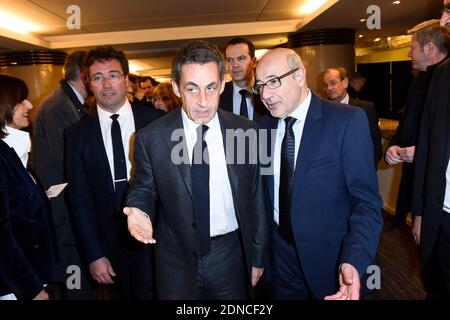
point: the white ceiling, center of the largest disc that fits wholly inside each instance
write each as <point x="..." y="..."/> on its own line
<point x="152" y="30"/>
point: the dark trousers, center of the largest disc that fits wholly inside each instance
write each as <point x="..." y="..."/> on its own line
<point x="134" y="273"/>
<point x="221" y="272"/>
<point x="436" y="273"/>
<point x="288" y="280"/>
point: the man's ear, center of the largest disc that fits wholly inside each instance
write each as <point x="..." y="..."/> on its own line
<point x="254" y="63"/>
<point x="222" y="85"/>
<point x="429" y="49"/>
<point x="176" y="90"/>
<point x="345" y="83"/>
<point x="300" y="75"/>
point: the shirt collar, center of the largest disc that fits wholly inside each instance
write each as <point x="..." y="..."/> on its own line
<point x="125" y="112"/>
<point x="190" y="126"/>
<point x="300" y="112"/>
<point x="20" y="141"/>
<point x="346" y="99"/>
<point x="79" y="96"/>
<point x="237" y="88"/>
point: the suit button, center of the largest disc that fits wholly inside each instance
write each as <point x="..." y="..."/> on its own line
<point x="194" y="254"/>
<point x="194" y="225"/>
<point x="36" y="247"/>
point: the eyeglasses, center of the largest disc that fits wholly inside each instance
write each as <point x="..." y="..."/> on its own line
<point x="332" y="83"/>
<point x="113" y="76"/>
<point x="272" y="83"/>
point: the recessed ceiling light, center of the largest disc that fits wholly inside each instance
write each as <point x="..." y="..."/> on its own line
<point x="310" y="6"/>
<point x="396" y="2"/>
<point x="360" y="36"/>
<point x="376" y="39"/>
<point x="16" y="24"/>
<point x="362" y="20"/>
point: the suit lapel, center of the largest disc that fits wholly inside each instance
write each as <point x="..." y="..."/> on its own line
<point x="96" y="139"/>
<point x="14" y="159"/>
<point x="311" y="131"/>
<point x="273" y="125"/>
<point x="175" y="122"/>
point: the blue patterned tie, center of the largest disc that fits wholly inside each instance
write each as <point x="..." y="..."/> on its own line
<point x="120" y="165"/>
<point x="286" y="181"/>
<point x="200" y="189"/>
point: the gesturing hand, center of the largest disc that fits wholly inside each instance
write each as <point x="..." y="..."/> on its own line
<point x="139" y="225"/>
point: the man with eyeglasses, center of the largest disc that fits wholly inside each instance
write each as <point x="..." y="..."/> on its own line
<point x="237" y="97"/>
<point x="431" y="190"/>
<point x="326" y="211"/>
<point x="98" y="163"/>
<point x="335" y="84"/>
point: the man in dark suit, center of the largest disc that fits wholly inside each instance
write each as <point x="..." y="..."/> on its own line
<point x="428" y="49"/>
<point x="431" y="192"/>
<point x="238" y="96"/>
<point x="62" y="108"/>
<point x="210" y="216"/>
<point x="335" y="82"/>
<point x="98" y="165"/>
<point x="147" y="85"/>
<point x="326" y="210"/>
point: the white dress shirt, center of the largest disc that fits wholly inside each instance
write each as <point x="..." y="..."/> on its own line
<point x="300" y="114"/>
<point x="237" y="98"/>
<point x="346" y="99"/>
<point x="20" y="141"/>
<point x="127" y="129"/>
<point x="222" y="215"/>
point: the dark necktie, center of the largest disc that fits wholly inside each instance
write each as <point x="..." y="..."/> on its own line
<point x="200" y="189"/>
<point x="243" y="111"/>
<point x="286" y="181"/>
<point x="120" y="165"/>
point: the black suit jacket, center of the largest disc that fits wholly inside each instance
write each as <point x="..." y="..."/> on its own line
<point x="162" y="189"/>
<point x="226" y="102"/>
<point x="431" y="159"/>
<point x="100" y="225"/>
<point x="27" y="241"/>
<point x="375" y="132"/>
<point x="407" y="135"/>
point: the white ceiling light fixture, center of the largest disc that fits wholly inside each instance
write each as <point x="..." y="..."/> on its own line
<point x="260" y="52"/>
<point x="310" y="6"/>
<point x="396" y="2"/>
<point x="16" y="24"/>
<point x="136" y="65"/>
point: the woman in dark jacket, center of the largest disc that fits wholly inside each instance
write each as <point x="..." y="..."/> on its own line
<point x="27" y="254"/>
